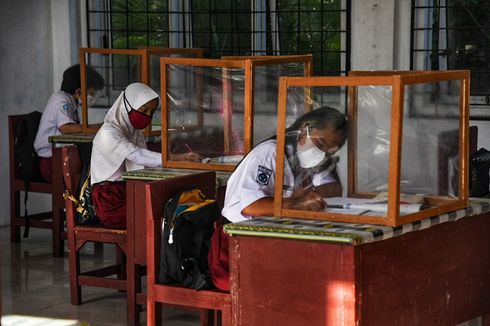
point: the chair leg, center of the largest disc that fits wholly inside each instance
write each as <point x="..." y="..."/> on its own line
<point x="121" y="260"/>
<point x="208" y="317"/>
<point x="153" y="313"/>
<point x="75" y="288"/>
<point x="57" y="231"/>
<point x="133" y="287"/>
<point x="14" y="213"/>
<point x="226" y="317"/>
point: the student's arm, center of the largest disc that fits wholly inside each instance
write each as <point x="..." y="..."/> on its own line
<point x="333" y="189"/>
<point x="302" y="199"/>
<point x="70" y="128"/>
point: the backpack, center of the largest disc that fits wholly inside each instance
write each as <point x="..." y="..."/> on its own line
<point x="83" y="197"/>
<point x="85" y="210"/>
<point x="27" y="158"/>
<point x="479" y="168"/>
<point x="28" y="161"/>
<point x="188" y="226"/>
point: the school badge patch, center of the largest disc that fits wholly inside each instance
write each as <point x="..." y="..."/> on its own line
<point x="263" y="175"/>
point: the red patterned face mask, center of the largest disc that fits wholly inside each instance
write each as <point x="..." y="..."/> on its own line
<point x="138" y="120"/>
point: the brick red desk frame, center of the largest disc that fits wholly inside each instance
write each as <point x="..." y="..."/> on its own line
<point x="136" y="250"/>
<point x="437" y="276"/>
<point x="58" y="204"/>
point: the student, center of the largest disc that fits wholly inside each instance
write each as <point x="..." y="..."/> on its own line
<point x="61" y="113"/>
<point x="120" y="146"/>
<point x="310" y="173"/>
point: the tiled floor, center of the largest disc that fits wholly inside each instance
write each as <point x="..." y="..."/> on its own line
<point x="35" y="283"/>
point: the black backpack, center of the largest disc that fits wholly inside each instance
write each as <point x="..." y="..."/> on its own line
<point x="27" y="159"/>
<point x="479" y="168"/>
<point x="188" y="226"/>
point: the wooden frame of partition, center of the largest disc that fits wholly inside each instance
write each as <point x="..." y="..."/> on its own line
<point x="398" y="83"/>
<point x="248" y="64"/>
<point x="143" y="55"/>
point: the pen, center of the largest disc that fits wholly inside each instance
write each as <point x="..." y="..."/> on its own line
<point x="188" y="147"/>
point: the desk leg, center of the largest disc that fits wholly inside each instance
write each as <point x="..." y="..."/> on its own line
<point x="58" y="204"/>
<point x="133" y="271"/>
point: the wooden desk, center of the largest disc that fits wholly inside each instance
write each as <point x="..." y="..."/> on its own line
<point x="302" y="272"/>
<point x="136" y="226"/>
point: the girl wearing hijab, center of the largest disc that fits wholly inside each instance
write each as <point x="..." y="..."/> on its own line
<point x="120" y="146"/>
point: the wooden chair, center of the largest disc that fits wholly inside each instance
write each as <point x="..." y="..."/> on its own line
<point x="78" y="235"/>
<point x="208" y="301"/>
<point x="44" y="220"/>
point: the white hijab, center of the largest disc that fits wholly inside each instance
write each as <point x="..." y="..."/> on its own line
<point x="117" y="138"/>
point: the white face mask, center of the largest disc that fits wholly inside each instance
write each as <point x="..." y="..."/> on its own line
<point x="308" y="154"/>
<point x="90" y="101"/>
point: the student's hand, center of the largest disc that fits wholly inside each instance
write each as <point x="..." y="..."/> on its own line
<point x="70" y="128"/>
<point x="191" y="156"/>
<point x="305" y="200"/>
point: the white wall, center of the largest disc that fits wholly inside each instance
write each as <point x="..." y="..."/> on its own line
<point x="33" y="53"/>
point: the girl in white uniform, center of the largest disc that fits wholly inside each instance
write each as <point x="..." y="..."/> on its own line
<point x="120" y="146"/>
<point x="309" y="173"/>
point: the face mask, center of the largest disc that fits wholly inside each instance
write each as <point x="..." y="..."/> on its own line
<point x="90" y="101"/>
<point x="138" y="119"/>
<point x="308" y="154"/>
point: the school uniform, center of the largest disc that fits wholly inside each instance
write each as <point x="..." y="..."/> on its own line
<point x="119" y="147"/>
<point x="254" y="178"/>
<point x="61" y="109"/>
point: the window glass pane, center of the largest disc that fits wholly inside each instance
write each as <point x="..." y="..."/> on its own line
<point x="454" y="34"/>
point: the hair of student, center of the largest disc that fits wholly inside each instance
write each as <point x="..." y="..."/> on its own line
<point x="320" y="118"/>
<point x="71" y="79"/>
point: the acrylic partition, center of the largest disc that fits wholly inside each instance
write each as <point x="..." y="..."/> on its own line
<point x="217" y="109"/>
<point x="119" y="68"/>
<point x="390" y="167"/>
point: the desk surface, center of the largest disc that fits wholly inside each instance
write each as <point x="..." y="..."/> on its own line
<point x="347" y="233"/>
<point x="71" y="138"/>
<point x="86" y="138"/>
<point x="165" y="173"/>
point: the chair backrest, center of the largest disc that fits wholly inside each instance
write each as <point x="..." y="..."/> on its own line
<point x="157" y="194"/>
<point x="72" y="167"/>
<point x="72" y="170"/>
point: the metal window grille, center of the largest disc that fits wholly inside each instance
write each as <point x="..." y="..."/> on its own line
<point x="223" y="27"/>
<point x="454" y="34"/>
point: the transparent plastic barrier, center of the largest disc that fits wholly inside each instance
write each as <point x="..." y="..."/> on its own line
<point x="205" y="107"/>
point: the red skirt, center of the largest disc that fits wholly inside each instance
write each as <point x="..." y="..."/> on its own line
<point x="109" y="199"/>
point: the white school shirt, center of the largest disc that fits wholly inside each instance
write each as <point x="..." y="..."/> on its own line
<point x="60" y="109"/>
<point x="117" y="141"/>
<point x="254" y="178"/>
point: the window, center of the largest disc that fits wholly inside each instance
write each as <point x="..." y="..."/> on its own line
<point x="454" y="34"/>
<point x="224" y="27"/>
